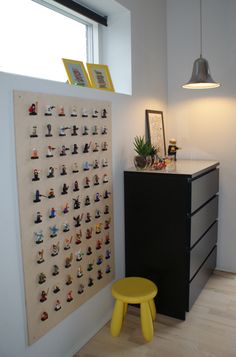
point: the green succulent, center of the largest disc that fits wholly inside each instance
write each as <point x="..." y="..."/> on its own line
<point x="143" y="148"/>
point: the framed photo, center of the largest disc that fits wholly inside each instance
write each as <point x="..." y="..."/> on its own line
<point x="76" y="73"/>
<point x="156" y="132"/>
<point x="100" y="76"/>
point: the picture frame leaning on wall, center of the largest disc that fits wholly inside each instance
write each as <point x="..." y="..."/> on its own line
<point x="156" y="131"/>
<point x="76" y="73"/>
<point x="100" y="76"/>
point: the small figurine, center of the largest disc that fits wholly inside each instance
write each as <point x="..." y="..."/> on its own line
<point x="50" y="172"/>
<point x="50" y="151"/>
<point x="52" y="213"/>
<point x="65" y="209"/>
<point x="108" y="269"/>
<point x="38" y="218"/>
<point x="35" y="175"/>
<point x="108" y="254"/>
<point x="97" y="197"/>
<point x="99" y="260"/>
<point x="95" y="130"/>
<point x="74" y="130"/>
<point x="44" y="316"/>
<point x="105" y="178"/>
<point x="63" y="150"/>
<point x="97" y="213"/>
<point x="106" y="209"/>
<point x="85" y="130"/>
<point x="44" y="295"/>
<point x="81" y="289"/>
<point x="56" y="289"/>
<point x="73" y="113"/>
<point x="104" y="163"/>
<point x="98" y="228"/>
<point x="86" y="166"/>
<point x="104" y="113"/>
<point x="89" y="251"/>
<point x="51" y="193"/>
<point x="76" y="203"/>
<point x="84" y="113"/>
<point x="106" y="194"/>
<point x="38" y="237"/>
<point x="49" y="109"/>
<point x="79" y="272"/>
<point x="68" y="261"/>
<point x="61" y="111"/>
<point x="95" y="147"/>
<point x="78" y="220"/>
<point x="62" y="130"/>
<point x="49" y="129"/>
<point x="89" y="233"/>
<point x="63" y="170"/>
<point x="53" y="230"/>
<point x="107" y="224"/>
<point x="75" y="149"/>
<point x="69" y="296"/>
<point x="55" y="250"/>
<point x="40" y="256"/>
<point x="86" y="182"/>
<point x="88" y="217"/>
<point x="33" y="109"/>
<point x="34" y="154"/>
<point x="95" y="164"/>
<point x="76" y="186"/>
<point x="66" y="227"/>
<point x="78" y="237"/>
<point x="104" y="130"/>
<point x="37" y="196"/>
<point x="75" y="168"/>
<point x="90" y="266"/>
<point x="95" y="113"/>
<point x="104" y="146"/>
<point x="99" y="276"/>
<point x="87" y="201"/>
<point x="34" y="132"/>
<point x="90" y="282"/>
<point x="42" y="278"/>
<point x="57" y="305"/>
<point x="99" y="244"/>
<point x="96" y="180"/>
<point x="107" y="239"/>
<point x="67" y="243"/>
<point x="86" y="148"/>
<point x="79" y="255"/>
<point x="173" y="148"/>
<point x="65" y="189"/>
<point x="69" y="280"/>
<point x="55" y="270"/>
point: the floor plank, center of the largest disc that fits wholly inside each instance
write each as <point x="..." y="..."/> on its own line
<point x="209" y="329"/>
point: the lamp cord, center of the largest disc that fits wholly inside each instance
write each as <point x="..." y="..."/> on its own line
<point x="200" y="28"/>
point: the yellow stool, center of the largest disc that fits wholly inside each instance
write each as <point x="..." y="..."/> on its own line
<point x="134" y="290"/>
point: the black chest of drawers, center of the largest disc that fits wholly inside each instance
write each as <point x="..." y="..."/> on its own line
<point x="171" y="230"/>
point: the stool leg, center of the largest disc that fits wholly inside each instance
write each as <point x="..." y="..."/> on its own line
<point x="152" y="309"/>
<point x="125" y="308"/>
<point x="146" y="321"/>
<point x="117" y="318"/>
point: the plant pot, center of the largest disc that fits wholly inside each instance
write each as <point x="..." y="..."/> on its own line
<point x="142" y="162"/>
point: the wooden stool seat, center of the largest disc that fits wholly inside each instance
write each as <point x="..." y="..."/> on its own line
<point x="134" y="290"/>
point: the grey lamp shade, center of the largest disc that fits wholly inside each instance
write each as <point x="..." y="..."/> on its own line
<point x="201" y="77"/>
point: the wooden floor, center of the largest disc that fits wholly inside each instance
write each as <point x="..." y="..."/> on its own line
<point x="209" y="329"/>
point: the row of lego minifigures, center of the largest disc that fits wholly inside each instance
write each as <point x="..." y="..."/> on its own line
<point x="74" y="149"/>
<point x="62" y="131"/>
<point x="52" y="110"/>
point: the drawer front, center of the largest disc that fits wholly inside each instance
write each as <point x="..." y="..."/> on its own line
<point x="203" y="188"/>
<point x="199" y="253"/>
<point x="201" y="278"/>
<point x="203" y="219"/>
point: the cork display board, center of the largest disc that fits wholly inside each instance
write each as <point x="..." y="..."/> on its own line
<point x="64" y="175"/>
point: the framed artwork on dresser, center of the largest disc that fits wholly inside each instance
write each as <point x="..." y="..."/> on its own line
<point x="156" y="131"/>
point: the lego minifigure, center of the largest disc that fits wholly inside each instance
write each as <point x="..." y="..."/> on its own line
<point x="86" y="148"/>
<point x="56" y="289"/>
<point x="69" y="296"/>
<point x="104" y="146"/>
<point x="61" y="111"/>
<point x="96" y="164"/>
<point x="98" y="228"/>
<point x="79" y="255"/>
<point x="104" y="113"/>
<point x="87" y="201"/>
<point x="89" y="251"/>
<point x="106" y="209"/>
<point x="37" y="196"/>
<point x="84" y="113"/>
<point x="55" y="270"/>
<point x="33" y="109"/>
<point x="75" y="149"/>
<point x="108" y="269"/>
<point x="104" y="163"/>
<point x="74" y="130"/>
<point x="81" y="289"/>
<point x="86" y="182"/>
<point x="86" y="166"/>
<point x="76" y="203"/>
<point x="49" y="109"/>
<point x="90" y="267"/>
<point x="69" y="280"/>
<point x="90" y="282"/>
<point x="95" y="147"/>
<point x="55" y="250"/>
<point x="96" y="180"/>
<point x="34" y="132"/>
<point x="40" y="256"/>
<point x="51" y="193"/>
<point x="78" y="237"/>
<point x="50" y="151"/>
<point x="57" y="305"/>
<point x="52" y="213"/>
<point x="75" y="168"/>
<point x="63" y="170"/>
<point x="88" y="217"/>
<point x="68" y="261"/>
<point x="62" y="130"/>
<point x="65" y="189"/>
<point x="108" y="254"/>
<point x="50" y="172"/>
<point x="38" y="237"/>
<point x="97" y="213"/>
<point x="85" y="130"/>
<point x="99" y="260"/>
<point x="107" y="224"/>
<point x="38" y="218"/>
<point x="89" y="233"/>
<point x="78" y="220"/>
<point x="44" y="316"/>
<point x="65" y="209"/>
<point x="106" y="194"/>
<point x="63" y="150"/>
<point x="66" y="227"/>
<point x="99" y="244"/>
<point x="173" y="148"/>
<point x="67" y="243"/>
<point x="34" y="154"/>
<point x="79" y="272"/>
<point x="42" y="278"/>
<point x="44" y="295"/>
<point x="95" y="130"/>
<point x="76" y="186"/>
<point x="73" y="113"/>
<point x="104" y="130"/>
<point x="105" y="178"/>
<point x="107" y="239"/>
<point x="99" y="276"/>
<point x="49" y="129"/>
<point x="53" y="230"/>
<point x="95" y="113"/>
<point x="97" y="197"/>
<point x="35" y="175"/>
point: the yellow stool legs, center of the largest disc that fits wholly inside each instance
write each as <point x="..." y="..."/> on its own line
<point x="146" y="321"/>
<point x="117" y="318"/>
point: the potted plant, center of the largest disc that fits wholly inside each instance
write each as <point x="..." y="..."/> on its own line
<point x="145" y="152"/>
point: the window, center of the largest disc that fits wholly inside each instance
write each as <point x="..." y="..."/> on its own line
<point x="35" y="38"/>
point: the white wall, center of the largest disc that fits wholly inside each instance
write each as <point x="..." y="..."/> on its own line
<point x="128" y="120"/>
<point x="204" y="122"/>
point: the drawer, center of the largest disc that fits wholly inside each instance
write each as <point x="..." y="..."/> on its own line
<point x="201" y="250"/>
<point x="203" y="188"/>
<point x="203" y="219"/>
<point x="201" y="278"/>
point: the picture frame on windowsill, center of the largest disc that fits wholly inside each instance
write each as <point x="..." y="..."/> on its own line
<point x="76" y="73"/>
<point x="100" y="76"/>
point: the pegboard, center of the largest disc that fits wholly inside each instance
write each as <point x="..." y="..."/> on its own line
<point x="64" y="173"/>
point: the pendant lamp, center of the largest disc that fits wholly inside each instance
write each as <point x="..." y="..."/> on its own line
<point x="201" y="77"/>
